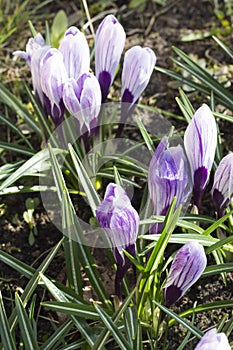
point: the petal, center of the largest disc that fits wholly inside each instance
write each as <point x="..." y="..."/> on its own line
<point x="109" y="44"/>
<point x="76" y="53"/>
<point x="53" y="78"/>
<point x="222" y="190"/>
<point x="187" y="266"/>
<point x="168" y="177"/>
<point x="213" y="341"/>
<point x="200" y="140"/>
<point x="137" y="69"/>
<point x="120" y="220"/>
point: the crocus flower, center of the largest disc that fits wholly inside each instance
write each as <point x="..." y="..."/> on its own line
<point x="82" y="98"/>
<point x="76" y="53"/>
<point x="35" y="51"/>
<point x="222" y="190"/>
<point x="187" y="266"/>
<point x="200" y="140"/>
<point x="213" y="341"/>
<point x="137" y="69"/>
<point x="109" y="44"/>
<point x="120" y="221"/>
<point x="168" y="177"/>
<point x="53" y="78"/>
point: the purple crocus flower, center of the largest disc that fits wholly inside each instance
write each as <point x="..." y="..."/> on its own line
<point x="109" y="44"/>
<point x="137" y="69"/>
<point x="168" y="177"/>
<point x="200" y="141"/>
<point x="53" y="78"/>
<point x="82" y="98"/>
<point x="213" y="341"/>
<point x="35" y="51"/>
<point x="120" y="221"/>
<point x="187" y="266"/>
<point x="222" y="190"/>
<point x="76" y="53"/>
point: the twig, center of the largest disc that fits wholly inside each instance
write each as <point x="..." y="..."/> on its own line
<point x="159" y="13"/>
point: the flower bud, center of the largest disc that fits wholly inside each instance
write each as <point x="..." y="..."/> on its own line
<point x="187" y="266"/>
<point x="168" y="177"/>
<point x="109" y="44"/>
<point x="222" y="190"/>
<point x="213" y="341"/>
<point x="76" y="53"/>
<point x="35" y="51"/>
<point x="137" y="69"/>
<point x="120" y="221"/>
<point x="53" y="78"/>
<point x="83" y="100"/>
<point x="200" y="141"/>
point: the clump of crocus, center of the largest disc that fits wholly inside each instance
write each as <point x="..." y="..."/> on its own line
<point x="200" y="141"/>
<point x="82" y="98"/>
<point x="213" y="341"/>
<point x="187" y="266"/>
<point x="138" y="66"/>
<point x="120" y="221"/>
<point x="222" y="190"/>
<point x="168" y="177"/>
<point x="109" y="45"/>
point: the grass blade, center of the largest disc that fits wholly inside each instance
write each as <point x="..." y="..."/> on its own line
<point x="8" y="342"/>
<point x="110" y="324"/>
<point x="29" y="339"/>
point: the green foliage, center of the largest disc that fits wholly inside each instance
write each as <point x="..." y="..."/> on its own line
<point x="59" y="26"/>
<point x="141" y="320"/>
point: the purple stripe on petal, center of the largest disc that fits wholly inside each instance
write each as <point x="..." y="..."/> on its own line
<point x="127" y="96"/>
<point x="218" y="199"/>
<point x="172" y="294"/>
<point x="200" y="179"/>
<point x="105" y="83"/>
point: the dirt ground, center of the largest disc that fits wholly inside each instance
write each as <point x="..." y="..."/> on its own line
<point x="159" y="28"/>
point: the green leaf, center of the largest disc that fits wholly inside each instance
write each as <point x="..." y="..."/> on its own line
<point x="224" y="47"/>
<point x="69" y="308"/>
<point x="131" y="323"/>
<point x="202" y="308"/>
<point x="59" y="26"/>
<point x="8" y="342"/>
<point x="185" y="106"/>
<point x="33" y="282"/>
<point x="89" y="189"/>
<point x="16" y="264"/>
<point x="72" y="229"/>
<point x="180" y="319"/>
<point x="215" y="269"/>
<point x="13" y="127"/>
<point x="58" y="336"/>
<point x="103" y="337"/>
<point x="217" y="223"/>
<point x="110" y="324"/>
<point x="82" y="325"/>
<point x="28" y="335"/>
<point x="43" y="120"/>
<point x="16" y="105"/>
<point x="151" y="272"/>
<point x="146" y="136"/>
<point x="15" y="148"/>
<point x="31" y="166"/>
<point x="221" y="243"/>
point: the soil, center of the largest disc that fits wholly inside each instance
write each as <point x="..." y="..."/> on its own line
<point x="159" y="28"/>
